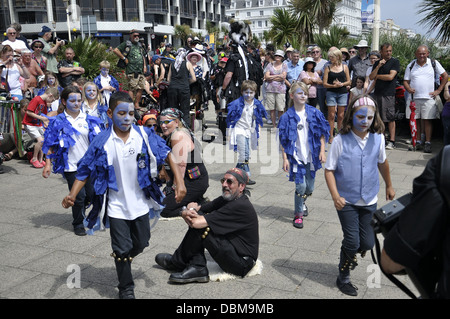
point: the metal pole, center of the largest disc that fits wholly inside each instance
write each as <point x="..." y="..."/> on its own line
<point x="68" y="23"/>
<point x="376" y="26"/>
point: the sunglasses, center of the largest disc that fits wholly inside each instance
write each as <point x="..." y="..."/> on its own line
<point x="315" y="51"/>
<point x="152" y="125"/>
<point x="352" y="51"/>
<point x="11" y="33"/>
<point x="166" y="122"/>
<point x="229" y="181"/>
<point x="37" y="47"/>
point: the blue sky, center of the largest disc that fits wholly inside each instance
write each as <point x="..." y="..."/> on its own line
<point x="404" y="14"/>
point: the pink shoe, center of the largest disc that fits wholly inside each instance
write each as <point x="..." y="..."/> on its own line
<point x="36" y="164"/>
<point x="43" y="163"/>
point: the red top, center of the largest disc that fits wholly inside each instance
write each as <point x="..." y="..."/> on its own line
<point x="37" y="106"/>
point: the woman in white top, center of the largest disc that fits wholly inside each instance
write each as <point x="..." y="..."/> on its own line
<point x="12" y="69"/>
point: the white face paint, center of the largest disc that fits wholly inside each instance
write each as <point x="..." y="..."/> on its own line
<point x="248" y="95"/>
<point x="363" y="118"/>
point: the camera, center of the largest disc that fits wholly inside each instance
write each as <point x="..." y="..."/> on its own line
<point x="64" y="41"/>
<point x="387" y="216"/>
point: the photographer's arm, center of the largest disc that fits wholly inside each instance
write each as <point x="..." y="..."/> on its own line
<point x="388" y="265"/>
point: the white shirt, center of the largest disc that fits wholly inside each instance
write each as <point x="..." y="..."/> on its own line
<point x="129" y="201"/>
<point x="335" y="152"/>
<point x="245" y="124"/>
<point x="13" y="79"/>
<point x="16" y="45"/>
<point x="105" y="81"/>
<point x="92" y="112"/>
<point x="302" y="151"/>
<point x="422" y="78"/>
<point x="77" y="151"/>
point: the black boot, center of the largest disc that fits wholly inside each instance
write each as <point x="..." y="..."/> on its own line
<point x="190" y="274"/>
<point x="347" y="262"/>
<point x="126" y="283"/>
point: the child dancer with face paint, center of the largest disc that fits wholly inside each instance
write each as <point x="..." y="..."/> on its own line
<point x="106" y="83"/>
<point x="303" y="132"/>
<point x="66" y="140"/>
<point x="124" y="161"/>
<point x="355" y="157"/>
<point x="93" y="103"/>
<point x="50" y="81"/>
<point x="244" y="118"/>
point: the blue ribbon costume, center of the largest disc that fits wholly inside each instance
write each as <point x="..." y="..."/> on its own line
<point x="94" y="164"/>
<point x="235" y="109"/>
<point x="287" y="130"/>
<point x="58" y="137"/>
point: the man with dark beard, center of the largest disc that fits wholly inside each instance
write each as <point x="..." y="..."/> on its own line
<point x="227" y="227"/>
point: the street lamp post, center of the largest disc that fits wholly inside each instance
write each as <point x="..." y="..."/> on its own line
<point x="66" y="3"/>
<point x="376" y="26"/>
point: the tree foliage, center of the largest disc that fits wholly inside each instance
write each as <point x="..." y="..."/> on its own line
<point x="437" y="13"/>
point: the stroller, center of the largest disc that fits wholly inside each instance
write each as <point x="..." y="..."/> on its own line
<point x="148" y="102"/>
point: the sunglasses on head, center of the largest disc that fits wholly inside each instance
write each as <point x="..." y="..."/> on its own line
<point x="166" y="122"/>
<point x="228" y="180"/>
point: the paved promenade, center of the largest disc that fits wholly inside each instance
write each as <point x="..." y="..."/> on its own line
<point x="41" y="257"/>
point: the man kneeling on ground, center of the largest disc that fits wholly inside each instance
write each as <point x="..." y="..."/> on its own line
<point x="227" y="227"/>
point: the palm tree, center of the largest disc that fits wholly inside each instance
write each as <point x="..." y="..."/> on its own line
<point x="437" y="17"/>
<point x="283" y="26"/>
<point x="337" y="37"/>
<point x="182" y="32"/>
<point x="320" y="12"/>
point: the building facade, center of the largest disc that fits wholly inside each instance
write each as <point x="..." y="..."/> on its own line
<point x="114" y="18"/>
<point x="259" y="12"/>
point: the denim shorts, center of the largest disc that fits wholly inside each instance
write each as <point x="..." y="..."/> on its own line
<point x="339" y="99"/>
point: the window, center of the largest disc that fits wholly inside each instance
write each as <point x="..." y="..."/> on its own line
<point x="261" y="13"/>
<point x="248" y="14"/>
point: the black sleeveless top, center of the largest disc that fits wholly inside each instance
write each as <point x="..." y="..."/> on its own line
<point x="332" y="76"/>
<point x="179" y="79"/>
<point x="194" y="158"/>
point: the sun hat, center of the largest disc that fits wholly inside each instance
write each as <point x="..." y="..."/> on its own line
<point x="189" y="56"/>
<point x="280" y="53"/>
<point x="361" y="44"/>
<point x="310" y="60"/>
<point x="199" y="49"/>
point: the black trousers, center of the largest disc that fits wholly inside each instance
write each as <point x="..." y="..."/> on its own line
<point x="180" y="99"/>
<point x="85" y="194"/>
<point x="191" y="252"/>
<point x="128" y="239"/>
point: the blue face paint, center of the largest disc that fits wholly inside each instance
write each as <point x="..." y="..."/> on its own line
<point x="248" y="95"/>
<point x="91" y="92"/>
<point x="299" y="96"/>
<point x="104" y="72"/>
<point x="123" y="116"/>
<point x="73" y="102"/>
<point x="363" y="118"/>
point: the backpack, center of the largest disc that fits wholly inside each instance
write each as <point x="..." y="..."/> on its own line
<point x="433" y="64"/>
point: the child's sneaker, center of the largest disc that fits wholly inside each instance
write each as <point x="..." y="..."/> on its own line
<point x="305" y="210"/>
<point x="390" y="145"/>
<point x="298" y="222"/>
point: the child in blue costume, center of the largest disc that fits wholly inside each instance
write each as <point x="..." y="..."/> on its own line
<point x="66" y="140"/>
<point x="93" y="103"/>
<point x="244" y="118"/>
<point x="123" y="163"/>
<point x="303" y="132"/>
<point x="355" y="157"/>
